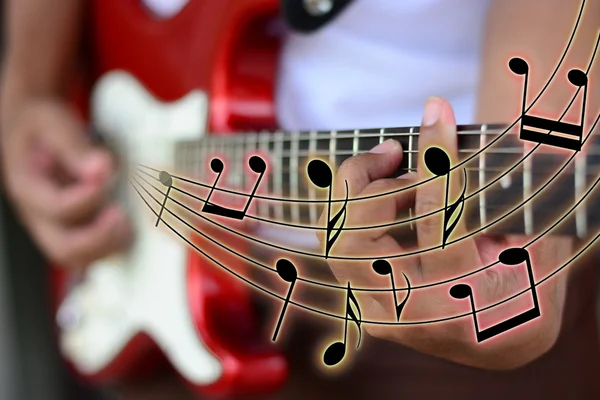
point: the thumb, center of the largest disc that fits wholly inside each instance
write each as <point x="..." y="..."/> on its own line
<point x="63" y="134"/>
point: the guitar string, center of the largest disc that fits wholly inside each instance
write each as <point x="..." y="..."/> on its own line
<point x="367" y="289"/>
<point x="582" y="7"/>
<point x="480" y="190"/>
<point x="335" y="316"/>
<point x="396" y="222"/>
<point x="481" y="150"/>
<point x="454" y="167"/>
<point x="391" y="256"/>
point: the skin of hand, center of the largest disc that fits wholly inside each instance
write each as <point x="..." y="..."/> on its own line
<point x="59" y="182"/>
<point x="454" y="340"/>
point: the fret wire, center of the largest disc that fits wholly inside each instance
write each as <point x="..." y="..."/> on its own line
<point x="186" y="159"/>
<point x="312" y="147"/>
<point x="251" y="150"/>
<point x="488" y="169"/>
<point x="294" y="176"/>
<point x="527" y="187"/>
<point x="581" y="211"/>
<point x="238" y="163"/>
<point x="482" y="202"/>
<point x="204" y="153"/>
<point x="410" y="151"/>
<point x="332" y="149"/>
<point x="381" y="135"/>
<point x="279" y="173"/>
<point x="178" y="166"/>
<point x="355" y="143"/>
<point x="263" y="205"/>
<point x="198" y="165"/>
<point x="507" y="150"/>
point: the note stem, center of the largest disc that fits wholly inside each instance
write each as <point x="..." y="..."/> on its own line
<point x="163" y="206"/>
<point x="253" y="193"/>
<point x="281" y="315"/>
<point x="444" y="235"/>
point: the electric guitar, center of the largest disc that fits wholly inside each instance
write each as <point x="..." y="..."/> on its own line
<point x="159" y="86"/>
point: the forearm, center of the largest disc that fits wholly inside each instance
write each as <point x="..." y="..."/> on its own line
<point x="537" y="31"/>
<point x="42" y="38"/>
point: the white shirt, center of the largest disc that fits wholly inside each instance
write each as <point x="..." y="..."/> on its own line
<point x="377" y="62"/>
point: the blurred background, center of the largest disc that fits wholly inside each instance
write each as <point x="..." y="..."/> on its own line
<point x="30" y="366"/>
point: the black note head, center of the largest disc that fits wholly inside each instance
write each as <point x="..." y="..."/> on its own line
<point x="577" y="77"/>
<point x="165" y="178"/>
<point x="460" y="291"/>
<point x="286" y="270"/>
<point x="518" y="66"/>
<point x="216" y="165"/>
<point x="437" y="161"/>
<point x="257" y="164"/>
<point x="513" y="256"/>
<point x="319" y="173"/>
<point x="334" y="353"/>
<point x="382" y="267"/>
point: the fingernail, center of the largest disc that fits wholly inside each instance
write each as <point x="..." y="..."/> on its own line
<point x="433" y="111"/>
<point x="384" y="147"/>
<point x="95" y="166"/>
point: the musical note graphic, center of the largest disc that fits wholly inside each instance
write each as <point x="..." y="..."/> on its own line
<point x="512" y="256"/>
<point x="336" y="351"/>
<point x="438" y="163"/>
<point x="321" y="176"/>
<point x="287" y="271"/>
<point x="383" y="267"/>
<point x="573" y="132"/>
<point x="257" y="165"/>
<point x="166" y="179"/>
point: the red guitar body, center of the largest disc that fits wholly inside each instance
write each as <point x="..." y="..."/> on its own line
<point x="228" y="49"/>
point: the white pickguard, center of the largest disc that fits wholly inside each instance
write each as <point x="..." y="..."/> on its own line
<point x="144" y="290"/>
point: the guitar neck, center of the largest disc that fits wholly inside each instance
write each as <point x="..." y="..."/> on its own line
<point x="504" y="190"/>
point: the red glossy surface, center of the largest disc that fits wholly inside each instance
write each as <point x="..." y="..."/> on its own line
<point x="228" y="48"/>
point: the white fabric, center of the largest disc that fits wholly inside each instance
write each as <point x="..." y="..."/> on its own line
<point x="378" y="61"/>
<point x="165" y="8"/>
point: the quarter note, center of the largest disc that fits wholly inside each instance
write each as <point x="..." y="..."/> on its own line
<point x="166" y="179"/>
<point x="336" y="351"/>
<point x="383" y="267"/>
<point x="320" y="175"/>
<point x="257" y="165"/>
<point x="287" y="271"/>
<point x="438" y="162"/>
<point x="511" y="257"/>
<point x="573" y="132"/>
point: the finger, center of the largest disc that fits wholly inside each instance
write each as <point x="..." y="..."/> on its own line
<point x="66" y="204"/>
<point x="360" y="170"/>
<point x="439" y="130"/>
<point x="381" y="210"/>
<point x="77" y="247"/>
<point x="60" y="131"/>
<point x="357" y="172"/>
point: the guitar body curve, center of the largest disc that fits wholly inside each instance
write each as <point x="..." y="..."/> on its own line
<point x="209" y="65"/>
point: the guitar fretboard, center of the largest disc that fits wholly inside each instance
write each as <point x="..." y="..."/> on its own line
<point x="288" y="154"/>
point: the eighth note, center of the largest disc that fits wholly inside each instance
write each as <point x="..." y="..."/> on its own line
<point x="257" y="165"/>
<point x="321" y="176"/>
<point x="512" y="256"/>
<point x="438" y="163"/>
<point x="287" y="272"/>
<point x="573" y="132"/>
<point x="166" y="179"/>
<point x="383" y="267"/>
<point x="336" y="351"/>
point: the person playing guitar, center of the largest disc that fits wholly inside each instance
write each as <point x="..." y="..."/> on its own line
<point x="343" y="65"/>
